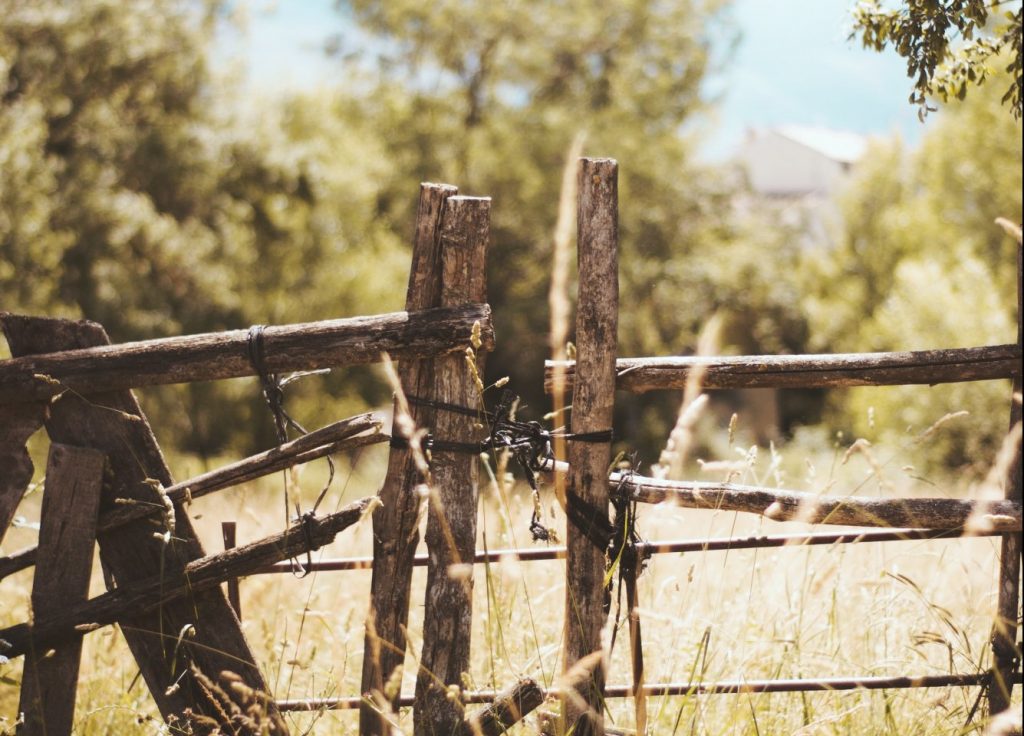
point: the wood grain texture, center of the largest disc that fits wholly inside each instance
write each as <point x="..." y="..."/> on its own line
<point x="18" y="422"/>
<point x="395" y="530"/>
<point x="508" y="708"/>
<point x="114" y="424"/>
<point x="206" y="357"/>
<point x="1006" y="653"/>
<point x="452" y="509"/>
<point x="638" y="375"/>
<point x="67" y="534"/>
<point x="204" y="574"/>
<point x="783" y="505"/>
<point x="343" y="435"/>
<point x="593" y="401"/>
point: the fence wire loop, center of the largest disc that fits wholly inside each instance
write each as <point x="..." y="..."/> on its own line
<point x="529" y="443"/>
<point x="272" y="385"/>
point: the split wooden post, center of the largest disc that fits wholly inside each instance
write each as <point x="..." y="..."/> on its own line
<point x="114" y="424"/>
<point x="1005" y="649"/>
<point x="452" y="505"/>
<point x="395" y="532"/>
<point x="593" y="403"/>
<point x="71" y="500"/>
<point x="228" y="530"/>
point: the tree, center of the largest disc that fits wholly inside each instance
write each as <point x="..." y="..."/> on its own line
<point x="489" y="96"/>
<point x="923" y="32"/>
<point x="137" y="191"/>
<point x="920" y="264"/>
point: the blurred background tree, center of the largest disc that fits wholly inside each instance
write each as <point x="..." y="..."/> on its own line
<point x="918" y="263"/>
<point x="139" y="189"/>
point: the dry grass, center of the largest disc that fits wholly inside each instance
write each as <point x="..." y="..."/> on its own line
<point x="884" y="609"/>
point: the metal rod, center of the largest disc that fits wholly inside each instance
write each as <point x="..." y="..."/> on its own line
<point x="667" y="547"/>
<point x="723" y="687"/>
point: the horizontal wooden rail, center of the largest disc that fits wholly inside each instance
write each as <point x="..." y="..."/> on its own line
<point x="956" y="365"/>
<point x="344" y="435"/>
<point x="217" y="355"/>
<point x="720" y="544"/>
<point x="723" y="687"/>
<point x="52" y="627"/>
<point x="784" y="505"/>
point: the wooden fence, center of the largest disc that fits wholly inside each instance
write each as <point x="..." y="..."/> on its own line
<point x="164" y="590"/>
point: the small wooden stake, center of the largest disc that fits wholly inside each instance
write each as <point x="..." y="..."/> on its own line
<point x="593" y="403"/>
<point x="74" y="478"/>
<point x="1005" y="649"/>
<point x="395" y="531"/>
<point x="452" y="517"/>
<point x="636" y="651"/>
<point x="228" y="531"/>
<point x="508" y="708"/>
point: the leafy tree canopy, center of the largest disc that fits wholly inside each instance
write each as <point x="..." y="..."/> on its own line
<point x="924" y="33"/>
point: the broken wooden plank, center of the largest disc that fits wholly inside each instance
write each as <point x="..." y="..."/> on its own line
<point x="216" y="355"/>
<point x="125" y="603"/>
<point x="343" y="435"/>
<point x="452" y="504"/>
<point x="593" y="402"/>
<point x="395" y="525"/>
<point x="114" y="424"/>
<point x="929" y="367"/>
<point x="67" y="534"/>
<point x="507" y="709"/>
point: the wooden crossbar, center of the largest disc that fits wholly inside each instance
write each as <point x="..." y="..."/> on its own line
<point x="211" y="356"/>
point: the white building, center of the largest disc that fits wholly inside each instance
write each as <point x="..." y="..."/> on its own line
<point x="795" y="161"/>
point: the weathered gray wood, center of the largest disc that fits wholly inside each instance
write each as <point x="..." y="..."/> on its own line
<point x="593" y="402"/>
<point x="638" y="375"/>
<point x="783" y="505"/>
<point x="125" y="603"/>
<point x="508" y="708"/>
<point x="217" y="355"/>
<point x="17" y="423"/>
<point x="452" y="509"/>
<point x="343" y="435"/>
<point x="1006" y="654"/>
<point x="114" y="424"/>
<point x="71" y="500"/>
<point x="395" y="531"/>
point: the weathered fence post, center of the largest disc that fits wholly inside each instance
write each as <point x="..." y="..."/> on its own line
<point x="71" y="501"/>
<point x="395" y="532"/>
<point x="593" y="403"/>
<point x="452" y="508"/>
<point x="1005" y="649"/>
<point x="228" y="531"/>
<point x="113" y="423"/>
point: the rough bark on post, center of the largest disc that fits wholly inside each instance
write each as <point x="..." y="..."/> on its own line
<point x="1006" y="653"/>
<point x="395" y="532"/>
<point x="593" y="402"/>
<point x="71" y="500"/>
<point x="452" y="508"/>
<point x="114" y="424"/>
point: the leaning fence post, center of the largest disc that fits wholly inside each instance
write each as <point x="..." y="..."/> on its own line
<point x="1005" y="649"/>
<point x="593" y="403"/>
<point x="452" y="514"/>
<point x="395" y="531"/>
<point x="71" y="501"/>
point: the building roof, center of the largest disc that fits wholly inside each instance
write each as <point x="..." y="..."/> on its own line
<point x="838" y="145"/>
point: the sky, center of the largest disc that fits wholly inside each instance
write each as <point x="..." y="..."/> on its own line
<point x="793" y="66"/>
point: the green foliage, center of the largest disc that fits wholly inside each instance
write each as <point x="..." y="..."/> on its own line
<point x="136" y="191"/>
<point x="923" y="31"/>
<point x="920" y="264"/>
